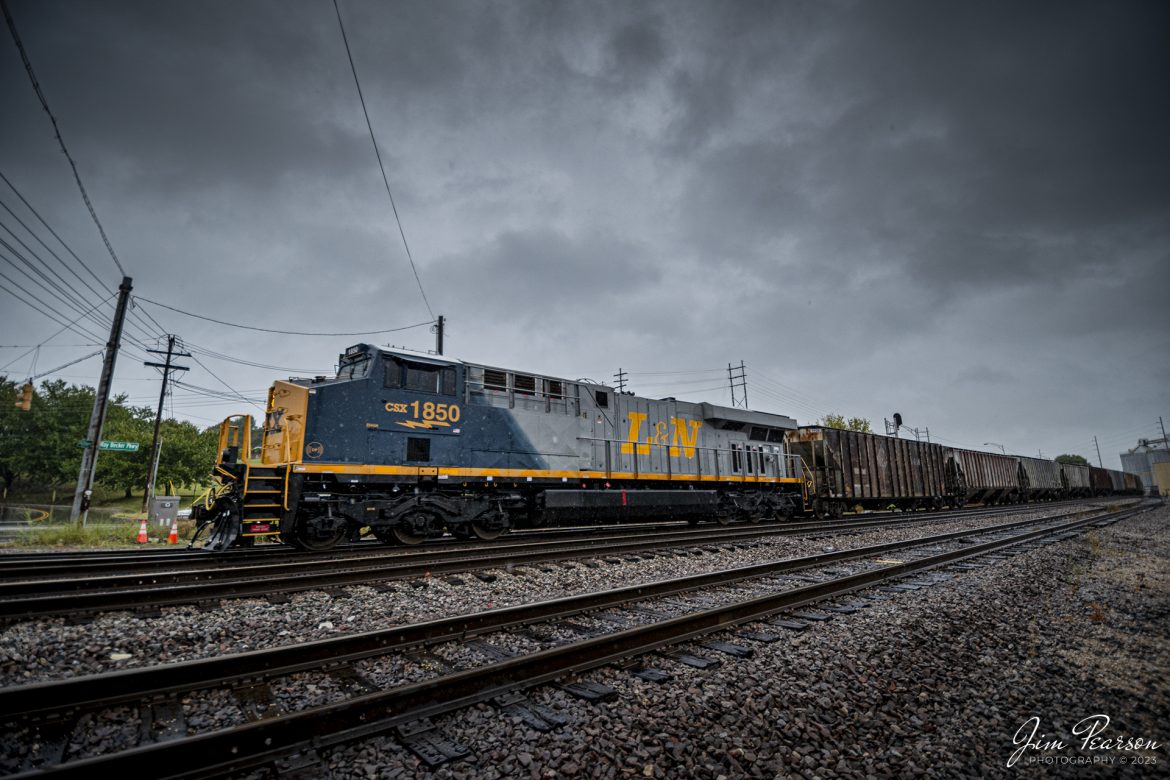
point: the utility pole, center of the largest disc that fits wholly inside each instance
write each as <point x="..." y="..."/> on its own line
<point x="439" y="334"/>
<point x="620" y="376"/>
<point x="97" y="419"/>
<point x="1163" y="426"/>
<point x="737" y="377"/>
<point x="167" y="368"/>
<point x="1098" y="446"/>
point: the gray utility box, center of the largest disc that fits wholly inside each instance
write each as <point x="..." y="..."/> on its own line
<point x="164" y="509"/>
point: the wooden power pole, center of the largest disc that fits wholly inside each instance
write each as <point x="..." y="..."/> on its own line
<point x="167" y="368"/>
<point x="97" y="419"/>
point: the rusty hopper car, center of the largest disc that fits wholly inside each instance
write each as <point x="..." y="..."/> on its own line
<point x="852" y="468"/>
<point x="1100" y="480"/>
<point x="1041" y="479"/>
<point x="412" y="446"/>
<point x="1075" y="479"/>
<point x="988" y="477"/>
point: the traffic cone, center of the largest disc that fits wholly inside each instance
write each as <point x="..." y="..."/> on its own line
<point x="142" y="532"/>
<point x="173" y="537"/>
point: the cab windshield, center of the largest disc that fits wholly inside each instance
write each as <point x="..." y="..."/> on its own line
<point x="353" y="366"/>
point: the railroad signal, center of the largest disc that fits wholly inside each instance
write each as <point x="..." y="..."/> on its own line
<point x="26" y="394"/>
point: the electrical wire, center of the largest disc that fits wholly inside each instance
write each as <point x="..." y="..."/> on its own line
<point x="66" y="365"/>
<point x="378" y="154"/>
<point x="238" y="394"/>
<point x="140" y="323"/>
<point x="63" y="292"/>
<point x="57" y="131"/>
<point x="58" y="333"/>
<point x="273" y="330"/>
<point x="34" y="346"/>
<point x="78" y="329"/>
<point x="220" y="356"/>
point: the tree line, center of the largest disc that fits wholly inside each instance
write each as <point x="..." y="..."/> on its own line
<point x="40" y="449"/>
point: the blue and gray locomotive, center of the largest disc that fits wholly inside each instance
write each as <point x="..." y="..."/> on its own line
<point x="409" y="446"/>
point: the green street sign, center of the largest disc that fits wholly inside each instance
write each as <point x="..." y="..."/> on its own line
<point x="114" y="446"/>
<point x="119" y="446"/>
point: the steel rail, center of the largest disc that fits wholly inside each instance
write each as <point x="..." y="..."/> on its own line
<point x="160" y="567"/>
<point x="188" y="676"/>
<point x="262" y="742"/>
<point x="14" y="565"/>
<point x="29" y="599"/>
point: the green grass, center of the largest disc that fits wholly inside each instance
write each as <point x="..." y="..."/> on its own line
<point x="99" y="535"/>
<point x="103" y="498"/>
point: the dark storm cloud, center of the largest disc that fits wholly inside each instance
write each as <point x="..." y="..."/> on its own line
<point x="883" y="204"/>
<point x="990" y="146"/>
<point x="531" y="273"/>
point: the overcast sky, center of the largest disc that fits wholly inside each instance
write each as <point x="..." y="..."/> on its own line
<point x="959" y="211"/>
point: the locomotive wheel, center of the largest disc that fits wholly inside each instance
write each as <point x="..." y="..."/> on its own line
<point x="487" y="534"/>
<point x="313" y="533"/>
<point x="406" y="536"/>
<point x="411" y="530"/>
<point x="399" y="535"/>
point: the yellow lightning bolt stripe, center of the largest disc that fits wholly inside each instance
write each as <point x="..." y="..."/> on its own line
<point x="423" y="423"/>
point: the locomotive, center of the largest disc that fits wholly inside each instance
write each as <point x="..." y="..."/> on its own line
<point x="412" y="446"/>
<point x="409" y="446"/>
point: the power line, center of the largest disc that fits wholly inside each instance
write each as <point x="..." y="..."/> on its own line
<point x="42" y="243"/>
<point x="66" y="365"/>
<point x="37" y="214"/>
<point x="687" y="371"/>
<point x="141" y="324"/>
<point x="80" y="330"/>
<point x="57" y="131"/>
<point x="239" y="395"/>
<point x="283" y="332"/>
<point x="220" y="356"/>
<point x="378" y="154"/>
<point x="36" y="346"/>
<point x="63" y="291"/>
<point x="55" y="335"/>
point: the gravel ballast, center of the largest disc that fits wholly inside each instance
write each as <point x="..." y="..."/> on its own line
<point x="934" y="682"/>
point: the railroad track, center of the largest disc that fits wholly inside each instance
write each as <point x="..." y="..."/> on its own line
<point x="565" y="637"/>
<point x="84" y="591"/>
<point x="18" y="565"/>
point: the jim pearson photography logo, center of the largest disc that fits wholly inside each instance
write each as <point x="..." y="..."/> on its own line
<point x="1092" y="742"/>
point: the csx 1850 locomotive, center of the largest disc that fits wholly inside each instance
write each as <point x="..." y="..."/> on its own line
<point x="408" y="446"/>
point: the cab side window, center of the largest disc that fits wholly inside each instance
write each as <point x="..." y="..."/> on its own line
<point x="420" y="377"/>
